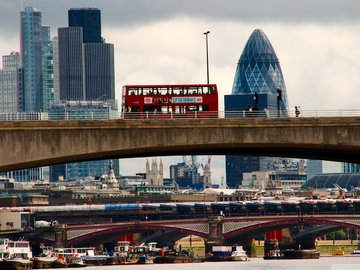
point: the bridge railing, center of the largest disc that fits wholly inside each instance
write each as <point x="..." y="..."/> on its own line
<point x="93" y="115"/>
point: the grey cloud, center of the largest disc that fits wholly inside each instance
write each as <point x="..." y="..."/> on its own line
<point x="124" y="13"/>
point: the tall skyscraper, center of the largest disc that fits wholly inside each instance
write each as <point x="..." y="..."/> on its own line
<point x="47" y="71"/>
<point x="85" y="65"/>
<point x="99" y="71"/>
<point x="35" y="57"/>
<point x="36" y="53"/>
<point x="258" y="84"/>
<point x="86" y="62"/>
<point x="89" y="19"/>
<point x="10" y="83"/>
<point x="258" y="70"/>
<point x="56" y="69"/>
<point x="71" y="68"/>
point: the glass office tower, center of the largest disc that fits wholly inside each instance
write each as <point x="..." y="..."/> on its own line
<point x="36" y="60"/>
<point x="89" y="19"/>
<point x="86" y="62"/>
<point x="258" y="72"/>
<point x="86" y="78"/>
<point x="10" y="82"/>
<point x="30" y="47"/>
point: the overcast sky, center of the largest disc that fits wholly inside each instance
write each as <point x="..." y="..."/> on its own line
<point x="162" y="41"/>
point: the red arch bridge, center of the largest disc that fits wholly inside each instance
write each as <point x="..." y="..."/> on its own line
<point x="214" y="229"/>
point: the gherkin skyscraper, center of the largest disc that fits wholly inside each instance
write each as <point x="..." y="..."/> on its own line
<point x="258" y="85"/>
<point x="258" y="70"/>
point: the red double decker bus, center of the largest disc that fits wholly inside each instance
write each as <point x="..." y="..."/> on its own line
<point x="170" y="101"/>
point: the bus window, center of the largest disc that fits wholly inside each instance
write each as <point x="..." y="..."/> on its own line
<point x="193" y="108"/>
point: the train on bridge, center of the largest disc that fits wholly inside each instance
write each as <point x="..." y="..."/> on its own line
<point x="157" y="211"/>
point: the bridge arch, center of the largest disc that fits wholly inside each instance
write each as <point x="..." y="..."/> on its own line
<point x="255" y="228"/>
<point x="42" y="143"/>
<point x="109" y="233"/>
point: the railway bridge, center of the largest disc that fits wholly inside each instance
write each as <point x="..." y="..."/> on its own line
<point x="214" y="229"/>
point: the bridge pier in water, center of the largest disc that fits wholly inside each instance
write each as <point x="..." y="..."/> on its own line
<point x="60" y="232"/>
<point x="215" y="233"/>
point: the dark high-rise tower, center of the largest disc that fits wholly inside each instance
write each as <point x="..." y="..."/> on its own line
<point x="90" y="21"/>
<point x="86" y="74"/>
<point x="86" y="62"/>
<point x="71" y="69"/>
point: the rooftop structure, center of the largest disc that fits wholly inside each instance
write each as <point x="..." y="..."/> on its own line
<point x="348" y="181"/>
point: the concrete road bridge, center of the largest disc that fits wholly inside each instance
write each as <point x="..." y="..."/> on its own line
<point x="25" y="144"/>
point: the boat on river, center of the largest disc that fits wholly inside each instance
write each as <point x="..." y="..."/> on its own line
<point x="301" y="254"/>
<point x="178" y="259"/>
<point x="239" y="254"/>
<point x="15" y="254"/>
<point x="76" y="262"/>
<point x="275" y="254"/>
<point x="227" y="253"/>
<point x="45" y="259"/>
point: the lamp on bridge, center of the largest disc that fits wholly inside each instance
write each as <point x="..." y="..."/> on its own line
<point x="207" y="55"/>
<point x="279" y="98"/>
<point x="256" y="99"/>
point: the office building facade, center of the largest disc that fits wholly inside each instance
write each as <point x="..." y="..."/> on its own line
<point x="85" y="66"/>
<point x="258" y="86"/>
<point x="36" y="86"/>
<point x="86" y="62"/>
<point x="99" y="71"/>
<point x="47" y="71"/>
<point x="70" y="61"/>
<point x="350" y="167"/>
<point x="10" y="83"/>
<point x="36" y="60"/>
<point x="89" y="19"/>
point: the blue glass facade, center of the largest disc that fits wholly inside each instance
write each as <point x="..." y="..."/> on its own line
<point x="258" y="70"/>
<point x="36" y="59"/>
<point x="30" y="44"/>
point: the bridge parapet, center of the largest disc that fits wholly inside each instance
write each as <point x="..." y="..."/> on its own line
<point x="52" y="142"/>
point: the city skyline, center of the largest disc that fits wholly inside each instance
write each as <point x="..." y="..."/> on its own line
<point x="317" y="46"/>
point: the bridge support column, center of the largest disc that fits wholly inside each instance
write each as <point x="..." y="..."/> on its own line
<point x="60" y="235"/>
<point x="215" y="233"/>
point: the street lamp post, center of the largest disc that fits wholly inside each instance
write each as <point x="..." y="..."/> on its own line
<point x="207" y="55"/>
<point x="279" y="98"/>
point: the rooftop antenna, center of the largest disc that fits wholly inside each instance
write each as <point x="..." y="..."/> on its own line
<point x="223" y="184"/>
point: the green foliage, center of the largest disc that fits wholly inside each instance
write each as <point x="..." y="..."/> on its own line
<point x="338" y="235"/>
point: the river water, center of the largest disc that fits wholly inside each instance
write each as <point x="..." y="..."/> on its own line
<point x="324" y="263"/>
